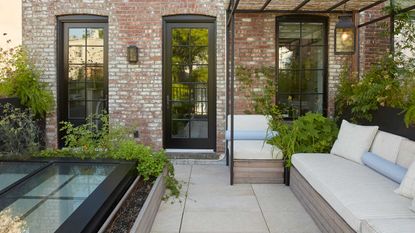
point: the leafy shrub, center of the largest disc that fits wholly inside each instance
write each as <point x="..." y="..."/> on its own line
<point x="18" y="132"/>
<point x="311" y="133"/>
<point x="92" y="141"/>
<point x="20" y="78"/>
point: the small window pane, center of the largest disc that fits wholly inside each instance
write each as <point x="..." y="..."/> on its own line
<point x="76" y="54"/>
<point x="95" y="107"/>
<point x="181" y="91"/>
<point x="313" y="57"/>
<point x="180" y="129"/>
<point x="200" y="74"/>
<point x="77" y="109"/>
<point x="288" y="82"/>
<point x="200" y="55"/>
<point x="290" y="105"/>
<point x="76" y="72"/>
<point x="199" y="109"/>
<point x="288" y="57"/>
<point x="312" y="82"/>
<point x="95" y="37"/>
<point x="77" y="36"/>
<point x="181" y="55"/>
<point x="95" y="55"/>
<point x="180" y="110"/>
<point x="312" y="34"/>
<point x="199" y="37"/>
<point x="180" y="73"/>
<point x="94" y="90"/>
<point x="76" y="90"/>
<point x="199" y="129"/>
<point x="289" y="32"/>
<point x="95" y="73"/>
<point x="180" y="36"/>
<point x="311" y="103"/>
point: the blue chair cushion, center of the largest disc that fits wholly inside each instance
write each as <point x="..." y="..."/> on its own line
<point x="385" y="167"/>
<point x="250" y="135"/>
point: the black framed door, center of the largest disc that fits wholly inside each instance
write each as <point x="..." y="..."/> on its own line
<point x="189" y="90"/>
<point x="83" y="78"/>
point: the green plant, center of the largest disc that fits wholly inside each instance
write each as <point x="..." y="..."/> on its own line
<point x="259" y="86"/>
<point x="389" y="82"/>
<point x="98" y="139"/>
<point x="19" y="133"/>
<point x="311" y="133"/>
<point x="20" y="78"/>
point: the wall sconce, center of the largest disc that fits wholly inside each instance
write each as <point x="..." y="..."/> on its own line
<point x="345" y="36"/>
<point x="132" y="54"/>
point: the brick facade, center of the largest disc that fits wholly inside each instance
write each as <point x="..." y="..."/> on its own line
<point x="135" y="90"/>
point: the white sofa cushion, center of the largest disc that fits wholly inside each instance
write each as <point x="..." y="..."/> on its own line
<point x="413" y="205"/>
<point x="389" y="225"/>
<point x="255" y="149"/>
<point x="353" y="141"/>
<point x="386" y="145"/>
<point x="353" y="190"/>
<point x="406" y="153"/>
<point x="250" y="122"/>
<point x="407" y="187"/>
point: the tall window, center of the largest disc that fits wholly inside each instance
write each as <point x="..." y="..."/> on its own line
<point x="302" y="65"/>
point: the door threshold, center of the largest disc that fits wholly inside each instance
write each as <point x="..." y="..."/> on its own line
<point x="196" y="151"/>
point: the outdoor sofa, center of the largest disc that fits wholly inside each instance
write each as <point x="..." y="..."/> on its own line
<point x="345" y="193"/>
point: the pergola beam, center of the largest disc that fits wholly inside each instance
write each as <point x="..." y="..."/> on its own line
<point x="297" y="8"/>
<point x="387" y="16"/>
<point x="293" y="12"/>
<point x="233" y="11"/>
<point x="372" y="5"/>
<point x="265" y="5"/>
<point x="337" y="5"/>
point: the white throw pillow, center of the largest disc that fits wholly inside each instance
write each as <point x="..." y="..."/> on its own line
<point x="407" y="187"/>
<point x="413" y="205"/>
<point x="406" y="153"/>
<point x="353" y="141"/>
<point x="386" y="145"/>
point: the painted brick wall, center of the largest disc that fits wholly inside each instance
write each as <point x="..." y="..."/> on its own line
<point x="135" y="91"/>
<point x="255" y="46"/>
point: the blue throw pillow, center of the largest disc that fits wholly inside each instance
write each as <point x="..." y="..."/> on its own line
<point x="385" y="167"/>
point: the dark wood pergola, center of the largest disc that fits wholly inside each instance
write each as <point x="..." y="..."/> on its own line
<point x="310" y="7"/>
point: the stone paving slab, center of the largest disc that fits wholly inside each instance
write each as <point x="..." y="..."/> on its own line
<point x="209" y="204"/>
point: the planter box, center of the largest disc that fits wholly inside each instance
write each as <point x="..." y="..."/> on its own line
<point x="148" y="212"/>
<point x="389" y="120"/>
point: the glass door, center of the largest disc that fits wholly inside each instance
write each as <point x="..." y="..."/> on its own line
<point x="189" y="86"/>
<point x="83" y="83"/>
<point x="302" y="65"/>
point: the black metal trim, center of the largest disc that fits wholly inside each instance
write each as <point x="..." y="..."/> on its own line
<point x="293" y="11"/>
<point x="195" y="21"/>
<point x="387" y="16"/>
<point x="61" y="98"/>
<point x="372" y="5"/>
<point x="266" y="4"/>
<point x="306" y="18"/>
<point x="337" y="5"/>
<point x="299" y="6"/>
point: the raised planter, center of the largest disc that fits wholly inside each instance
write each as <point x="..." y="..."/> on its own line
<point x="144" y="221"/>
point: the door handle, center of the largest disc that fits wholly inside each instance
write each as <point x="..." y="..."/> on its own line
<point x="168" y="102"/>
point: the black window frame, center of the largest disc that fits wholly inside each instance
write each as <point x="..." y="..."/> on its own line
<point x="62" y="85"/>
<point x="305" y="19"/>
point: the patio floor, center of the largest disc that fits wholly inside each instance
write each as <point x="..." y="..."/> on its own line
<point x="209" y="204"/>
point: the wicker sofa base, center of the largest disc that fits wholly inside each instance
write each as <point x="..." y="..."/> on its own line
<point x="326" y="218"/>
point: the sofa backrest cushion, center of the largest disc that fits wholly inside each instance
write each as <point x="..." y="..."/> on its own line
<point x="250" y="122"/>
<point x="384" y="167"/>
<point x="353" y="141"/>
<point x="407" y="187"/>
<point x="406" y="155"/>
<point x="386" y="145"/>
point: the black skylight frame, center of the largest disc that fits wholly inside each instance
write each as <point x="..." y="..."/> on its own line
<point x="230" y="48"/>
<point x="94" y="210"/>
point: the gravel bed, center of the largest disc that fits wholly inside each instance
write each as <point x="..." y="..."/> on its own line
<point x="126" y="215"/>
